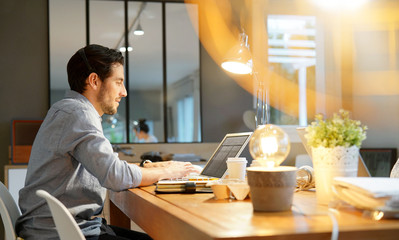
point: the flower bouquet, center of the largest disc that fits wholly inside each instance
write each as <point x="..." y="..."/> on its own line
<point x="338" y="131"/>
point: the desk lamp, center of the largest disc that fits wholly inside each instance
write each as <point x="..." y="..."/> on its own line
<point x="272" y="187"/>
<point x="239" y="60"/>
<point x="269" y="144"/>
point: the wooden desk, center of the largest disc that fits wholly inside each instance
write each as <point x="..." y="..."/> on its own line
<point x="199" y="216"/>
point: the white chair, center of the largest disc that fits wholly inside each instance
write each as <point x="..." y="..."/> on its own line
<point x="9" y="212"/>
<point x="66" y="225"/>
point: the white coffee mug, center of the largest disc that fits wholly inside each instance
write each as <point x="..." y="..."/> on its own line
<point x="236" y="167"/>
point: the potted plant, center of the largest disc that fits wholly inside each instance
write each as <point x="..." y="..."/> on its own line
<point x="335" y="147"/>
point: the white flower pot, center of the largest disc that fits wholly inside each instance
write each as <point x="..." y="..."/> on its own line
<point x="329" y="163"/>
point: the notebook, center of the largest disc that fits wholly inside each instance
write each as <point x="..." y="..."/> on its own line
<point x="362" y="168"/>
<point x="231" y="145"/>
<point x="370" y="193"/>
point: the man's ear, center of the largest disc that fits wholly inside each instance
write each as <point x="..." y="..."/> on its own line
<point x="93" y="81"/>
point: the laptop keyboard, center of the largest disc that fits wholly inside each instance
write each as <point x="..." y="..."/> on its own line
<point x="193" y="178"/>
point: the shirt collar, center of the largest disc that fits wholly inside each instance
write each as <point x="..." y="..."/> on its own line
<point x="75" y="95"/>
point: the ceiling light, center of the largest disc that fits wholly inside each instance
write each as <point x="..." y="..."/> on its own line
<point x="123" y="49"/>
<point x="139" y="30"/>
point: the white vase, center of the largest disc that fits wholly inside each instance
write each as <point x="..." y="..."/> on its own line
<point x="329" y="163"/>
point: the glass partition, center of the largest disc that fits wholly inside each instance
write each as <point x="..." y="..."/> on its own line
<point x="152" y="72"/>
<point x="107" y="29"/>
<point x="183" y="76"/>
<point x="146" y="70"/>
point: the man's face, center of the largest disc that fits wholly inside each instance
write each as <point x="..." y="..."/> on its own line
<point x="112" y="90"/>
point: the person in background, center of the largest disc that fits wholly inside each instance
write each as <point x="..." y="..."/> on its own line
<point x="141" y="131"/>
<point x="73" y="161"/>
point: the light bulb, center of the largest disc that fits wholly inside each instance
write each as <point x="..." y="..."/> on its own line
<point x="237" y="67"/>
<point x="269" y="145"/>
<point x="138" y="32"/>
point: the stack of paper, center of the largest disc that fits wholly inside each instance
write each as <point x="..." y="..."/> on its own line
<point x="184" y="185"/>
<point x="372" y="193"/>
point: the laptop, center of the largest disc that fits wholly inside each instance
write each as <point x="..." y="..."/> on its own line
<point x="362" y="168"/>
<point x="232" y="145"/>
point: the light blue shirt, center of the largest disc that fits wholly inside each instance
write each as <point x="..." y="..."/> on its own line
<point x="73" y="161"/>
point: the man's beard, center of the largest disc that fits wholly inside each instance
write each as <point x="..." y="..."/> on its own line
<point x="107" y="108"/>
<point x="110" y="110"/>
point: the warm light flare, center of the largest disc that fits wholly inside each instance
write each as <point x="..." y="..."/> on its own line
<point x="340" y="4"/>
<point x="339" y="82"/>
<point x="378" y="215"/>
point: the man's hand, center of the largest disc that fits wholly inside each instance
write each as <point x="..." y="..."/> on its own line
<point x="164" y="170"/>
<point x="163" y="164"/>
<point x="156" y="164"/>
<point x="179" y="169"/>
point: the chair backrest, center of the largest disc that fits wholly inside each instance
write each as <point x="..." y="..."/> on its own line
<point x="65" y="224"/>
<point x="9" y="211"/>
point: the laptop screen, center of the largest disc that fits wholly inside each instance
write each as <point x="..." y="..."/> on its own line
<point x="231" y="146"/>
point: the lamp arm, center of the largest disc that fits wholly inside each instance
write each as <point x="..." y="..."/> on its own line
<point x="262" y="116"/>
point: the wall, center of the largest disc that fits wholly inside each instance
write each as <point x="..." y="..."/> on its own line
<point x="223" y="101"/>
<point x="23" y="67"/>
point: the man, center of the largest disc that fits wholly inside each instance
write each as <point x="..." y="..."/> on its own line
<point x="73" y="161"/>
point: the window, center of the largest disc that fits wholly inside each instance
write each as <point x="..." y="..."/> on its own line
<point x="292" y="55"/>
<point x="161" y="66"/>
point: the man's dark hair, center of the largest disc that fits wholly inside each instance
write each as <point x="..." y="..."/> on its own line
<point x="92" y="58"/>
